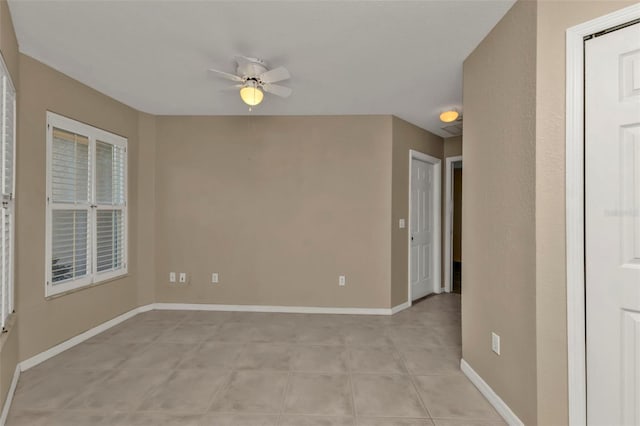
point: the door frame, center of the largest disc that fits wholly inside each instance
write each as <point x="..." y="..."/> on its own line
<point x="437" y="234"/>
<point x="575" y="246"/>
<point x="448" y="223"/>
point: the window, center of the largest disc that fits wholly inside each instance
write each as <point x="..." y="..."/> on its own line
<point x="86" y="205"/>
<point x="7" y="167"/>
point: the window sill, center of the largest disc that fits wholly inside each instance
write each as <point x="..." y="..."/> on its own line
<point x="11" y="322"/>
<point x="87" y="287"/>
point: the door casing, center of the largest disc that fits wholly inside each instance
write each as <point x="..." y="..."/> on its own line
<point x="448" y="223"/>
<point x="437" y="235"/>
<point x="575" y="246"/>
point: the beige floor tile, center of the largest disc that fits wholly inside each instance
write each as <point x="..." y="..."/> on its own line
<point x="319" y="335"/>
<point x="187" y="391"/>
<point x="158" y="355"/>
<point x="319" y="394"/>
<point x="444" y="302"/>
<point x="122" y="390"/>
<point x="449" y="335"/>
<point x="428" y="361"/>
<point x="59" y="418"/>
<point x="265" y="356"/>
<point x="189" y="333"/>
<point x="160" y="419"/>
<point x="208" y="317"/>
<point x="252" y="392"/>
<point x="137" y="332"/>
<point x="245" y="368"/>
<point x="319" y="359"/>
<point x="316" y="421"/>
<point x="100" y="355"/>
<point x="393" y="422"/>
<point x="386" y="395"/>
<point x="213" y="355"/>
<point x="167" y="315"/>
<point x="275" y="332"/>
<point x="458" y="422"/>
<point x="214" y="419"/>
<point x="376" y="360"/>
<point x="413" y="336"/>
<point x="236" y="332"/>
<point x="453" y="396"/>
<point x="359" y="335"/>
<point x="406" y="318"/>
<point x="56" y="390"/>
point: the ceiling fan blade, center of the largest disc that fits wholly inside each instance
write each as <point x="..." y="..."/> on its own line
<point x="281" y="91"/>
<point x="275" y="75"/>
<point x="234" y="87"/>
<point x="228" y="76"/>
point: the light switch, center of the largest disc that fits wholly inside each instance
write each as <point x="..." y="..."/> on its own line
<point x="401" y="223"/>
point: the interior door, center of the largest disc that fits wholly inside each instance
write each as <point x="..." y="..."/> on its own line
<point x="422" y="229"/>
<point x="612" y="215"/>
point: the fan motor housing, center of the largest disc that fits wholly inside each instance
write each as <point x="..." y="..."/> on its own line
<point x="251" y="67"/>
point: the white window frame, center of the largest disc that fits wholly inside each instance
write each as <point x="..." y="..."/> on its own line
<point x="93" y="276"/>
<point x="8" y="201"/>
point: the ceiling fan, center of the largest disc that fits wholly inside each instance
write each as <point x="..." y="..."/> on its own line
<point x="253" y="77"/>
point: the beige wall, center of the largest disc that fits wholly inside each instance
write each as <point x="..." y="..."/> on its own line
<point x="146" y="235"/>
<point x="44" y="323"/>
<point x="554" y="18"/>
<point x="278" y="206"/>
<point x="453" y="146"/>
<point x="499" y="268"/>
<point x="9" y="340"/>
<point x="406" y="137"/>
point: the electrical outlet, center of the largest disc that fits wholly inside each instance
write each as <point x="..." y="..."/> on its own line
<point x="495" y="343"/>
<point x="172" y="277"/>
<point x="214" y="278"/>
<point x="183" y="277"/>
<point x="342" y="280"/>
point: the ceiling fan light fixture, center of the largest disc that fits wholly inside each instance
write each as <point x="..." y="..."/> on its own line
<point x="251" y="94"/>
<point x="449" y="116"/>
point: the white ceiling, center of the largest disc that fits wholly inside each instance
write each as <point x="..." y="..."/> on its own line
<point x="345" y="57"/>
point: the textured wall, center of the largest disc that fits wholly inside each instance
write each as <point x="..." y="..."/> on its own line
<point x="406" y="137"/>
<point x="498" y="218"/>
<point x="278" y="206"/>
<point x="45" y="323"/>
<point x="453" y="146"/>
<point x="9" y="340"/>
<point x="554" y="18"/>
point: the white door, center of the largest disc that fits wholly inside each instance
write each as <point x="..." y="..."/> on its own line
<point x="422" y="228"/>
<point x="612" y="215"/>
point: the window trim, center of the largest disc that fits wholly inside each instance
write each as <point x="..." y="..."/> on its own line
<point x="9" y="292"/>
<point x="94" y="134"/>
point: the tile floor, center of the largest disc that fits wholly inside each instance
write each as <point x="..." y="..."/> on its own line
<point x="259" y="369"/>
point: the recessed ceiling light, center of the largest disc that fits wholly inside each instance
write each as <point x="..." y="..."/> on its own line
<point x="449" y="116"/>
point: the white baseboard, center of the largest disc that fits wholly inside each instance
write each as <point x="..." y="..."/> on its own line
<point x="275" y="309"/>
<point x="501" y="407"/>
<point x="400" y="307"/>
<point x="67" y="344"/>
<point x="10" y="393"/>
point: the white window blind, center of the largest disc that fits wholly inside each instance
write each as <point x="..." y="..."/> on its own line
<point x="7" y="166"/>
<point x="86" y="205"/>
